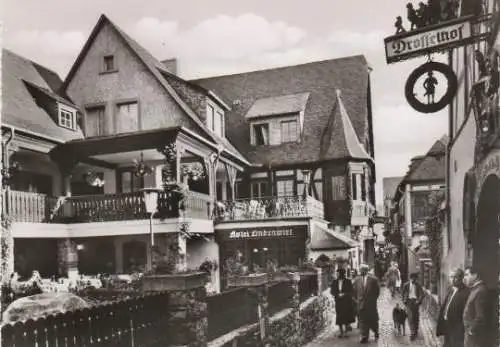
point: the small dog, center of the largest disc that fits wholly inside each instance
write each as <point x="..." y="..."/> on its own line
<point x="399" y="319"/>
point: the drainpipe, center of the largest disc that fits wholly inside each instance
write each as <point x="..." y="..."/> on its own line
<point x="6" y="165"/>
<point x="448" y="163"/>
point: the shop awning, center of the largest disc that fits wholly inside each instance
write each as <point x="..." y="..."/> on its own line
<point x="327" y="239"/>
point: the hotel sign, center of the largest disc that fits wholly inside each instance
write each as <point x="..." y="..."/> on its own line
<point x="263" y="233"/>
<point x="429" y="40"/>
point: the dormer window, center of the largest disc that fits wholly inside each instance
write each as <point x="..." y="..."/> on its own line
<point x="67" y="117"/>
<point x="215" y="119"/>
<point x="289" y="131"/>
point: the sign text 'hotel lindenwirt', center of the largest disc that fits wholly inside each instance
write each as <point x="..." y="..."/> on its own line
<point x="409" y="45"/>
<point x="261" y="233"/>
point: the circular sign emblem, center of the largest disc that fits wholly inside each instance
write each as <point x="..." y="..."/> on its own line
<point x="428" y="87"/>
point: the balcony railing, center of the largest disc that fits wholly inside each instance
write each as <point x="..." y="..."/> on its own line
<point x="40" y="208"/>
<point x="28" y="207"/>
<point x="270" y="207"/>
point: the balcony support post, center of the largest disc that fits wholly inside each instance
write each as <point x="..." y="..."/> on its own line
<point x="231" y="174"/>
<point x="67" y="258"/>
<point x="66" y="168"/>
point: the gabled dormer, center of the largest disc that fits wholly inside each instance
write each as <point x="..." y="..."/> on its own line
<point x="277" y="120"/>
<point x="62" y="111"/>
<point x="215" y="114"/>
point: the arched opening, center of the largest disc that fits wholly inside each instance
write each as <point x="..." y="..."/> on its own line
<point x="486" y="250"/>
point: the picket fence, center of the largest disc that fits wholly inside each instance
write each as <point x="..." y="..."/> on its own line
<point x="136" y="322"/>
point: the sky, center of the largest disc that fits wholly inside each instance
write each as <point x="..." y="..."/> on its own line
<point x="226" y="36"/>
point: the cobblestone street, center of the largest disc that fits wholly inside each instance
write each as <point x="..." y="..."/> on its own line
<point x="388" y="337"/>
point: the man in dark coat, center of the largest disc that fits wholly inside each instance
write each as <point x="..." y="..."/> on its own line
<point x="366" y="292"/>
<point x="413" y="294"/>
<point x="342" y="290"/>
<point x="476" y="311"/>
<point x="450" y="323"/>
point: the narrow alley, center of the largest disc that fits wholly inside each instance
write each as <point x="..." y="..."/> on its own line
<point x="388" y="336"/>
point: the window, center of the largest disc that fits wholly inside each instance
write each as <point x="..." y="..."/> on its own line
<point x="259" y="189"/>
<point x="218" y="189"/>
<point x="338" y="188"/>
<point x="219" y="123"/>
<point x="130" y="182"/>
<point x="288" y="131"/>
<point x="261" y="134"/>
<point x="67" y="117"/>
<point x="127" y="118"/>
<point x="95" y="121"/>
<point x="284" y="188"/>
<point x="210" y="117"/>
<point x="354" y="186"/>
<point x="109" y="63"/>
<point x="238" y="190"/>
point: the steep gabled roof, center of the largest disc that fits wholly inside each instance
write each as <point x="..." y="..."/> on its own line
<point x="321" y="80"/>
<point x="390" y="184"/>
<point x="157" y="69"/>
<point x="19" y="108"/>
<point x="432" y="166"/>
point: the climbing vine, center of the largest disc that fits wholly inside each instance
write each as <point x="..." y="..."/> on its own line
<point x="6" y="248"/>
<point x="433" y="230"/>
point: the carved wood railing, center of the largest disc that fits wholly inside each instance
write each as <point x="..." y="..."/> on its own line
<point x="41" y="208"/>
<point x="269" y="207"/>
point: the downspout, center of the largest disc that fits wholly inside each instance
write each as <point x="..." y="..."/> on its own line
<point x="6" y="166"/>
<point x="448" y="161"/>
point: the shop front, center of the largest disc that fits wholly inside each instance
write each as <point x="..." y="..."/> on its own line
<point x="256" y="246"/>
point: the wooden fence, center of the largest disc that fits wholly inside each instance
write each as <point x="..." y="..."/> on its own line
<point x="136" y="322"/>
<point x="230" y="310"/>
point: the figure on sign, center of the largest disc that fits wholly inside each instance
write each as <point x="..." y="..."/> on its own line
<point x="430" y="87"/>
<point x="399" y="25"/>
<point x="412" y="16"/>
<point x="433" y="11"/>
<point x="422" y="14"/>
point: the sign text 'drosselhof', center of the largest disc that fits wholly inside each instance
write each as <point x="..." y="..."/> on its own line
<point x="428" y="40"/>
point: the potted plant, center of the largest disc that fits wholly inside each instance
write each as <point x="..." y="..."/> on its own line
<point x="239" y="274"/>
<point x="165" y="275"/>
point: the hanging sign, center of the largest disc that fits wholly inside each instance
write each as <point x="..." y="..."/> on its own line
<point x="427" y="103"/>
<point x="430" y="39"/>
<point x="263" y="233"/>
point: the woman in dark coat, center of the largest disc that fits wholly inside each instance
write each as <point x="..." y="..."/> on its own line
<point x="342" y="290"/>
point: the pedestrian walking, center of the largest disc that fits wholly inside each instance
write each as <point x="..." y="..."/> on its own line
<point x="342" y="290"/>
<point x="366" y="293"/>
<point x="413" y="294"/>
<point x="393" y="277"/>
<point x="475" y="311"/>
<point x="450" y="320"/>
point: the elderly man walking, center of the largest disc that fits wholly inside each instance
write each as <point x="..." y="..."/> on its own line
<point x="366" y="293"/>
<point x="450" y="323"/>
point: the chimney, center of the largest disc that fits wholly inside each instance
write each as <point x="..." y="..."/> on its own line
<point x="170" y="65"/>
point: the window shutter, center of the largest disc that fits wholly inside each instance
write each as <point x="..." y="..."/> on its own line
<point x="468" y="204"/>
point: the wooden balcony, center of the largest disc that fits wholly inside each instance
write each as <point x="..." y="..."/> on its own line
<point x="269" y="208"/>
<point x="40" y="208"/>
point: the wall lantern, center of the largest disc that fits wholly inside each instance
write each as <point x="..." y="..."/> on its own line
<point x="151" y="203"/>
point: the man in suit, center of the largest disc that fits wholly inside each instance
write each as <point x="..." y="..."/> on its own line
<point x="366" y="292"/>
<point x="413" y="294"/>
<point x="475" y="311"/>
<point x="450" y="323"/>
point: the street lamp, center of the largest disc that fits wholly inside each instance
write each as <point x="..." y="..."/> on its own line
<point x="306" y="174"/>
<point x="151" y="203"/>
